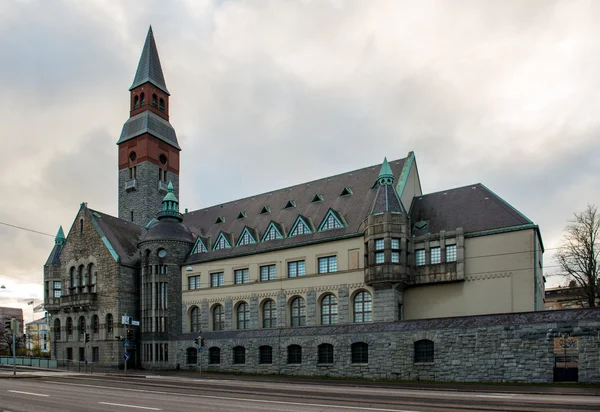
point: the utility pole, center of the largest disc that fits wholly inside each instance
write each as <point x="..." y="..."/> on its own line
<point x="13" y="326"/>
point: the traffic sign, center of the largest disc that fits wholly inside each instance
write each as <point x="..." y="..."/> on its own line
<point x="126" y="356"/>
<point x="126" y="343"/>
<point x="135" y="322"/>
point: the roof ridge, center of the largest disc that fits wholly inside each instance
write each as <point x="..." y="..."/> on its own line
<point x="292" y="186"/>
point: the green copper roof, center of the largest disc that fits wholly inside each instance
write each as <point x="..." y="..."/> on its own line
<point x="170" y="205"/>
<point x="170" y="197"/>
<point x="386" y="177"/>
<point x="60" y="237"/>
<point x="149" y="68"/>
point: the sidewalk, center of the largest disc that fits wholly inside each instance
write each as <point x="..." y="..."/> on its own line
<point x="540" y="389"/>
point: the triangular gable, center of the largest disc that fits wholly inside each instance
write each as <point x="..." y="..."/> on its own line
<point x="317" y="198"/>
<point x="290" y="204"/>
<point x="301" y="227"/>
<point x="332" y="220"/>
<point x="346" y="192"/>
<point x="246" y="238"/>
<point x="273" y="232"/>
<point x="265" y="210"/>
<point x="199" y="246"/>
<point x="241" y="215"/>
<point x="222" y="242"/>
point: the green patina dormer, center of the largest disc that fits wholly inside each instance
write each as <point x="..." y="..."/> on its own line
<point x="60" y="237"/>
<point x="170" y="205"/>
<point x="386" y="177"/>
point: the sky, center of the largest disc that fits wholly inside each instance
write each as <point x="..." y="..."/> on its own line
<point x="267" y="94"/>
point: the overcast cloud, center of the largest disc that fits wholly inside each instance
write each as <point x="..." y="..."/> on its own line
<point x="266" y="94"/>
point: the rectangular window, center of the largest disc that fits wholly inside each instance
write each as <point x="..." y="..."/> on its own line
<point x="194" y="282"/>
<point x="217" y="279"/>
<point x="70" y="354"/>
<point x="379" y="257"/>
<point x="57" y="289"/>
<point x="268" y="272"/>
<point x="395" y="244"/>
<point x="95" y="354"/>
<point x="419" y="257"/>
<point x="164" y="270"/>
<point x="241" y="276"/>
<point x="435" y="256"/>
<point x="395" y="250"/>
<point x="379" y="244"/>
<point x="82" y="354"/>
<point x="297" y="268"/>
<point x="395" y="257"/>
<point x="451" y="253"/>
<point x="328" y="264"/>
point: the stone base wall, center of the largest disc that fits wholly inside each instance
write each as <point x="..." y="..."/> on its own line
<point x="492" y="348"/>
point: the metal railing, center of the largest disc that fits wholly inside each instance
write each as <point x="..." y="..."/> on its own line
<point x="26" y="361"/>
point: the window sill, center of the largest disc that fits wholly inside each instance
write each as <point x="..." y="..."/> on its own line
<point x="324" y="365"/>
<point x="359" y="364"/>
<point x="297" y="365"/>
<point x="424" y="363"/>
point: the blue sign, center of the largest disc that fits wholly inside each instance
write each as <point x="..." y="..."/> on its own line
<point x="126" y="355"/>
<point x="126" y="343"/>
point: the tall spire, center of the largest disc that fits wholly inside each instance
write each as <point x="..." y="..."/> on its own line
<point x="60" y="237"/>
<point x="149" y="68"/>
<point x="386" y="177"/>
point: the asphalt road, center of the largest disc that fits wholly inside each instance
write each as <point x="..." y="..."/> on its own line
<point x="77" y="392"/>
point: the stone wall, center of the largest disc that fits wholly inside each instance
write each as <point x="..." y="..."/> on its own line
<point x="491" y="348"/>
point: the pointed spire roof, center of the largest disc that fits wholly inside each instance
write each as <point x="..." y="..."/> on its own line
<point x="149" y="68"/>
<point x="170" y="205"/>
<point x="60" y="237"/>
<point x="386" y="177"/>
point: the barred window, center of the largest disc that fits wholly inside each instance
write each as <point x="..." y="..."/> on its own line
<point x="246" y="239"/>
<point x="265" y="355"/>
<point x="362" y="307"/>
<point x="195" y="319"/>
<point x="269" y="314"/>
<point x="294" y="354"/>
<point x="329" y="310"/>
<point x="296" y="269"/>
<point x="360" y="352"/>
<point x="419" y="257"/>
<point x="241" y="276"/>
<point x="243" y="316"/>
<point x="214" y="355"/>
<point x="218" y="318"/>
<point x="192" y="356"/>
<point x="328" y="264"/>
<point x="57" y="289"/>
<point x="325" y="354"/>
<point x="379" y="244"/>
<point x="300" y="229"/>
<point x="450" y="253"/>
<point x="435" y="256"/>
<point x="217" y="279"/>
<point x="109" y="325"/>
<point x="424" y="351"/>
<point x="239" y="355"/>
<point x="395" y="250"/>
<point x="298" y="312"/>
<point x="268" y="272"/>
<point x="194" y="282"/>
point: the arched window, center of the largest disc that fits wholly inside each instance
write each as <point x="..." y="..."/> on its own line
<point x="69" y="326"/>
<point x="195" y="319"/>
<point x="136" y="102"/>
<point x="72" y="279"/>
<point x="92" y="277"/>
<point x="424" y="351"/>
<point x="109" y="325"/>
<point x="161" y="104"/>
<point x="362" y="307"/>
<point x="142" y="99"/>
<point x="154" y="101"/>
<point x="294" y="354"/>
<point x="239" y="355"/>
<point x="298" y="312"/>
<point x="81" y="327"/>
<point x="329" y="310"/>
<point x="243" y="316"/>
<point x="80" y="276"/>
<point x="269" y="312"/>
<point x="360" y="352"/>
<point x="265" y="355"/>
<point x="218" y="318"/>
<point x="325" y="353"/>
<point x="192" y="356"/>
<point x="95" y="324"/>
<point x="214" y="355"/>
<point x="56" y="330"/>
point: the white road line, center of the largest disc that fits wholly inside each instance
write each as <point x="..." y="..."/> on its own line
<point x="232" y="399"/>
<point x="29" y="393"/>
<point x="503" y="396"/>
<point x="129" y="406"/>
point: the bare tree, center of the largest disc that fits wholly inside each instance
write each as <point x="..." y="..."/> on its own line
<point x="6" y="338"/>
<point x="580" y="253"/>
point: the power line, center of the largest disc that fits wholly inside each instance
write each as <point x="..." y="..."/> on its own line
<point x="24" y="228"/>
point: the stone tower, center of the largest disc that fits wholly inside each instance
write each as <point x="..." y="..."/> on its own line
<point x="386" y="245"/>
<point x="148" y="147"/>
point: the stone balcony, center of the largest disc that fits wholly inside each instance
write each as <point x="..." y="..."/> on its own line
<point x="78" y="301"/>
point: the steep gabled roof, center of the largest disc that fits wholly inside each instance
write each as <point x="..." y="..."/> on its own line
<point x="353" y="209"/>
<point x="475" y="208"/>
<point x="149" y="68"/>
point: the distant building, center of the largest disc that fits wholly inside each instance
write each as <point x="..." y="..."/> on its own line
<point x="362" y="247"/>
<point x="564" y="298"/>
<point x="38" y="335"/>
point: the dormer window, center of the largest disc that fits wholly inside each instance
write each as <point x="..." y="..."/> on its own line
<point x="317" y="198"/>
<point x="265" y="210"/>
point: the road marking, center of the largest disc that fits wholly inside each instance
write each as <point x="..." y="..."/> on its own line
<point x="507" y="395"/>
<point x="229" y="398"/>
<point x="129" y="406"/>
<point x="29" y="393"/>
